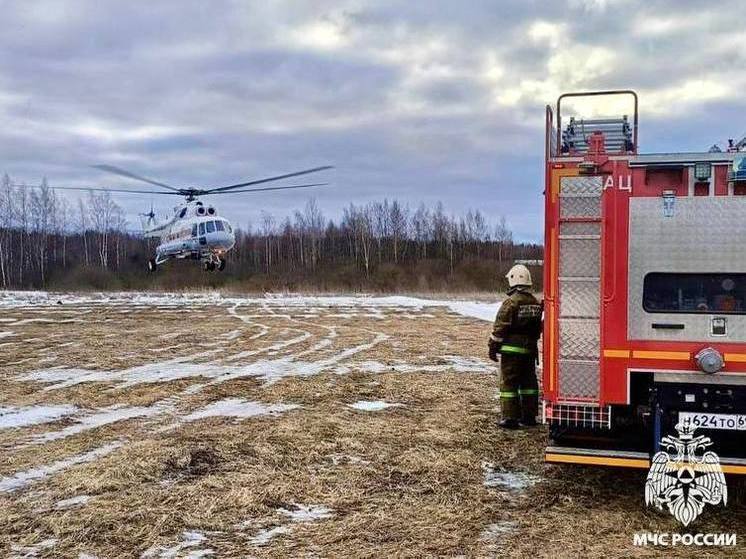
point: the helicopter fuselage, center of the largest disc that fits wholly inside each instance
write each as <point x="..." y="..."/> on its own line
<point x="196" y="232"/>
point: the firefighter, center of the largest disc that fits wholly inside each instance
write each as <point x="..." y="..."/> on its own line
<point x="515" y="336"/>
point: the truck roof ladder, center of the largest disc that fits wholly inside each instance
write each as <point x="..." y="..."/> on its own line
<point x="617" y="135"/>
<point x="620" y="134"/>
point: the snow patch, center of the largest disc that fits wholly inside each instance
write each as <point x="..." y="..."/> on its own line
<point x="188" y="539"/>
<point x="482" y="311"/>
<point x="376" y="405"/>
<point x="14" y="417"/>
<point x="173" y="369"/>
<point x="72" y="502"/>
<point x="264" y="536"/>
<point x="232" y="335"/>
<point x="307" y="513"/>
<point x="453" y="363"/>
<point x="512" y="481"/>
<point x="236" y="407"/>
<point x="27" y="552"/>
<point x="22" y="479"/>
<point x="493" y="533"/>
<point x="337" y="459"/>
<point x="105" y="416"/>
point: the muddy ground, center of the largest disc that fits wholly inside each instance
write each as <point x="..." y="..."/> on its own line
<point x="287" y="428"/>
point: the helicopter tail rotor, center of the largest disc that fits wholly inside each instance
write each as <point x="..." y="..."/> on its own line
<point x="148" y="219"/>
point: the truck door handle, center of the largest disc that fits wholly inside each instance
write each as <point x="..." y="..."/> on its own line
<point x="667" y="326"/>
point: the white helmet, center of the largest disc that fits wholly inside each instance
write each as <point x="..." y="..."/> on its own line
<point x="519" y="275"/>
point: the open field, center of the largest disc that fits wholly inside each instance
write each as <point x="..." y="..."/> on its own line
<point x="203" y="426"/>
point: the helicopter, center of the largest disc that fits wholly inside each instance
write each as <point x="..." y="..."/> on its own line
<point x="195" y="231"/>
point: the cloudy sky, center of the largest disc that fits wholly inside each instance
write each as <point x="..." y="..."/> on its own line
<point x="421" y="101"/>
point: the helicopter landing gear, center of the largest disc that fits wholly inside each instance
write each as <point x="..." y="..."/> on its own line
<point x="212" y="262"/>
<point x="152" y="265"/>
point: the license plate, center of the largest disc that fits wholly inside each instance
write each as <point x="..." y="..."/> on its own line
<point x="727" y="421"/>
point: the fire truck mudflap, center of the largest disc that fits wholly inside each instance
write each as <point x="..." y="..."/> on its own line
<point x="645" y="291"/>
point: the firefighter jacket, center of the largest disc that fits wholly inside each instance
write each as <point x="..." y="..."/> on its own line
<point x="518" y="323"/>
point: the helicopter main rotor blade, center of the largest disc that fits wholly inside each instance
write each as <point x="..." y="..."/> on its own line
<point x="269" y="179"/>
<point x="124" y="173"/>
<point x="267" y="188"/>
<point x="87" y="188"/>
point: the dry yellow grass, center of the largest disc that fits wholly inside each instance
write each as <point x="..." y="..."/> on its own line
<point x="407" y="481"/>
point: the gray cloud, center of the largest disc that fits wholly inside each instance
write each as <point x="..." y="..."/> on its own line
<point x="415" y="100"/>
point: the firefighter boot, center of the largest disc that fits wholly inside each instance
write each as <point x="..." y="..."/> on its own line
<point x="510" y="404"/>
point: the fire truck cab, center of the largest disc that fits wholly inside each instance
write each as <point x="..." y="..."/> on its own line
<point x="645" y="292"/>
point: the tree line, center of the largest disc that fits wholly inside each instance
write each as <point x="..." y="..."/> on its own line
<point x="46" y="241"/>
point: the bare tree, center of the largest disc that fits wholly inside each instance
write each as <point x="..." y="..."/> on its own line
<point x="43" y="215"/>
<point x="6" y="223"/>
<point x="503" y="238"/>
<point x="314" y="221"/>
<point x="268" y="231"/>
<point x="82" y="227"/>
<point x="102" y="210"/>
<point x="399" y="221"/>
<point x="422" y="228"/>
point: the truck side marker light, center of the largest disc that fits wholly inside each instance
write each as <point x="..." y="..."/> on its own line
<point x="669" y="355"/>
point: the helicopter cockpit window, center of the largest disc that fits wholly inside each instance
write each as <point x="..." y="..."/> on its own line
<point x="219" y="226"/>
<point x="210" y="226"/>
<point x="228" y="227"/>
<point x="194" y="230"/>
<point x="201" y="228"/>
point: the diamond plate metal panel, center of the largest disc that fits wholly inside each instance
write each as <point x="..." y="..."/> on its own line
<point x="579" y="299"/>
<point x="580" y="207"/>
<point x="578" y="379"/>
<point x="579" y="258"/>
<point x="579" y="338"/>
<point x="704" y="234"/>
<point x="580" y="228"/>
<point x="579" y="346"/>
<point x="581" y="186"/>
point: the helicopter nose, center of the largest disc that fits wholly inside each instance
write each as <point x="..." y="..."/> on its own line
<point x="224" y="240"/>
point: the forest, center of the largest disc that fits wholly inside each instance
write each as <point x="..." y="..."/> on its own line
<point x="49" y="242"/>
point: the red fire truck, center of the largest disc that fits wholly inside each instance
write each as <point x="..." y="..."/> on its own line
<point x="645" y="292"/>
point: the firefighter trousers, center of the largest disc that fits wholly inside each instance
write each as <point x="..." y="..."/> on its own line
<point x="519" y="389"/>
